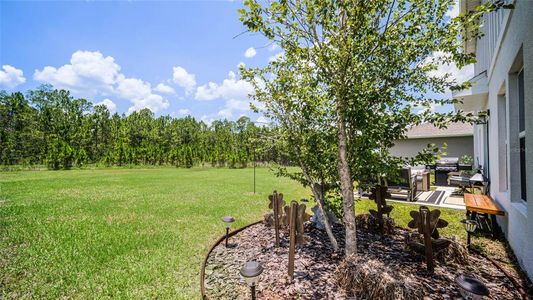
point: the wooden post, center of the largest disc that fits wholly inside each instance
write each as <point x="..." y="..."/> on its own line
<point x="426" y="223"/>
<point x="379" y="202"/>
<point x="277" y="204"/>
<point x="379" y="195"/>
<point x="292" y="233"/>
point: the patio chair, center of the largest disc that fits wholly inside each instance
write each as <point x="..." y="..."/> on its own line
<point x="406" y="186"/>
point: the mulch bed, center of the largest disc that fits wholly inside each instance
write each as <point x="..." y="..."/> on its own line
<point x="316" y="267"/>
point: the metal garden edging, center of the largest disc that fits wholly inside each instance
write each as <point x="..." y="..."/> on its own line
<point x="220" y="240"/>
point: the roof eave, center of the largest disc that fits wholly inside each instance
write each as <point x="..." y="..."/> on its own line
<point x="439" y="136"/>
<point x="474" y="98"/>
<point x="465" y="6"/>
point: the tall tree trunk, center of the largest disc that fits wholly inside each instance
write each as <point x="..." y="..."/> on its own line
<point x="319" y="196"/>
<point x="318" y="192"/>
<point x="346" y="183"/>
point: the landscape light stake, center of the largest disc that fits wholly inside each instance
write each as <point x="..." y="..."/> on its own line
<point x="251" y="271"/>
<point x="255" y="163"/>
<point x="471" y="288"/>
<point x="227" y="221"/>
<point x="470" y="227"/>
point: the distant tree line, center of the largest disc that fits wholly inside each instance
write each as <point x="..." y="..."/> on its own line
<point x="49" y="127"/>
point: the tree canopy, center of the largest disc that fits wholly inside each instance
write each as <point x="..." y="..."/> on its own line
<point x="352" y="79"/>
<point x="49" y="127"/>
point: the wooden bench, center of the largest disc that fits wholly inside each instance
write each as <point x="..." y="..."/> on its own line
<point x="482" y="204"/>
<point x="478" y="207"/>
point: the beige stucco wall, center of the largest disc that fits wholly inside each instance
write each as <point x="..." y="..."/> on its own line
<point x="456" y="146"/>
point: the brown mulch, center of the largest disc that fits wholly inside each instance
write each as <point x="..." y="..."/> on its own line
<point x="317" y="267"/>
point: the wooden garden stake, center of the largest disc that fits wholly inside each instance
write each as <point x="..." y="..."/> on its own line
<point x="276" y="203"/>
<point x="427" y="222"/>
<point x="292" y="236"/>
<point x="379" y="195"/>
<point x="424" y="214"/>
<point x="295" y="217"/>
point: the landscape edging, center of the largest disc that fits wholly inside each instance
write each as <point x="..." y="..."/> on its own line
<point x="220" y="240"/>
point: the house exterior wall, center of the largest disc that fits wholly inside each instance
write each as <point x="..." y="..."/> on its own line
<point x="456" y="146"/>
<point x="506" y="48"/>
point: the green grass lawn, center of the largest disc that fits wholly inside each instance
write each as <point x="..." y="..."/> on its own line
<point x="129" y="233"/>
<point x="120" y="233"/>
<point x="400" y="214"/>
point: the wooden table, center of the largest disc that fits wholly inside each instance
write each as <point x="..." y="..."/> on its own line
<point x="478" y="207"/>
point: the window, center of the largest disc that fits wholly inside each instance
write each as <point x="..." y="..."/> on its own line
<point x="522" y="135"/>
<point x="503" y="164"/>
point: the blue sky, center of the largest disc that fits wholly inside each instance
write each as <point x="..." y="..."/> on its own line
<point x="175" y="57"/>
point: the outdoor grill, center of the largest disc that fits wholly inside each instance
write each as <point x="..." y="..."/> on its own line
<point x="443" y="167"/>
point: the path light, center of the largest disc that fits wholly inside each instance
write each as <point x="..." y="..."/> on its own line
<point x="227" y="222"/>
<point x="251" y="271"/>
<point x="471" y="288"/>
<point x="470" y="227"/>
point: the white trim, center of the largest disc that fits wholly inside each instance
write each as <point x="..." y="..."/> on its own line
<point x="521" y="207"/>
<point x="431" y="136"/>
<point x="504" y="195"/>
<point x="501" y="35"/>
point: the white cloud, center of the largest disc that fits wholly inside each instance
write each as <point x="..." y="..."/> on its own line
<point x="276" y="56"/>
<point x="225" y="113"/>
<point x="111" y="106"/>
<point x="207" y="119"/>
<point x="454" y="10"/>
<point x="234" y="91"/>
<point x="153" y="102"/>
<point x="231" y="88"/>
<point x="262" y="121"/>
<point x="207" y="92"/>
<point x="184" y="79"/>
<point x="87" y="75"/>
<point x="184" y="111"/>
<point x="432" y="108"/>
<point x="11" y="77"/>
<point x="459" y="75"/>
<point x="91" y="74"/>
<point x="250" y="52"/>
<point x="163" y="88"/>
<point x="133" y="88"/>
<point x="273" y="47"/>
<point x="233" y="105"/>
<point x="140" y="94"/>
<point x="241" y="105"/>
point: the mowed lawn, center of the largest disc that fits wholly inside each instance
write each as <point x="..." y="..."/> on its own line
<point x="121" y="233"/>
<point x="130" y="233"/>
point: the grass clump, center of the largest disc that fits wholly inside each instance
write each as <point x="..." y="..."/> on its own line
<point x="372" y="279"/>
